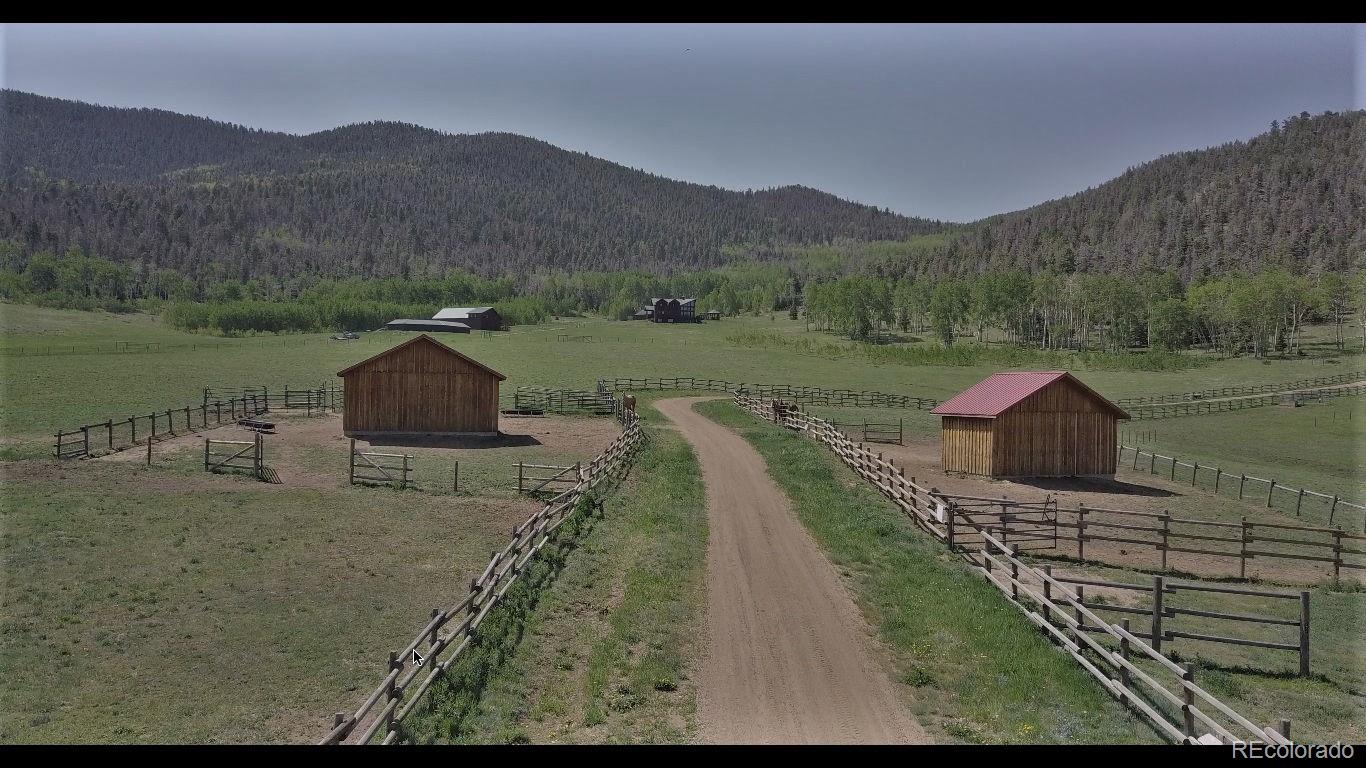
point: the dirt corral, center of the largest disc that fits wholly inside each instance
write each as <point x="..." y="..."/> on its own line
<point x="312" y="452"/>
<point x="1133" y="492"/>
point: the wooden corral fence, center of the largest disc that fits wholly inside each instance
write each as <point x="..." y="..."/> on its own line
<point x="1243" y="485"/>
<point x="374" y="470"/>
<point x="1251" y="389"/>
<point x="807" y="395"/>
<point x="1174" y="706"/>
<point x="528" y="399"/>
<point x="1202" y="407"/>
<point x="113" y="436"/>
<point x="874" y="432"/>
<point x="567" y="337"/>
<point x="249" y="455"/>
<point x="1161" y="613"/>
<point x="562" y="478"/>
<point x="1046" y="525"/>
<point x="324" y="398"/>
<point x="1168" y="697"/>
<point x="449" y="631"/>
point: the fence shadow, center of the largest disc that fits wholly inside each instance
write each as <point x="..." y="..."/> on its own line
<point x="500" y="440"/>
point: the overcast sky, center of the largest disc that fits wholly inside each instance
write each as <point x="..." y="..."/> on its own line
<point x="953" y="122"/>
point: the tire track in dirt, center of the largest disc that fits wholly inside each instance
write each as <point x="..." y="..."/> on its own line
<point x="789" y="657"/>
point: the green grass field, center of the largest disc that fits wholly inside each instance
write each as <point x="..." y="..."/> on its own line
<point x="139" y="607"/>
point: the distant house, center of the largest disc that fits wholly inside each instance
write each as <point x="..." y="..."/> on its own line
<point x="644" y="313"/>
<point x="713" y="314"/>
<point x="420" y="387"/>
<point x="478" y="318"/>
<point x="427" y="326"/>
<point x="1029" y="424"/>
<point x="674" y="310"/>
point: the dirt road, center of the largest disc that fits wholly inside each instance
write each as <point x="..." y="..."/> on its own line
<point x="788" y="657"/>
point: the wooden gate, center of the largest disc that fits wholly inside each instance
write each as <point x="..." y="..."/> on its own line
<point x="248" y="455"/>
<point x="378" y="472"/>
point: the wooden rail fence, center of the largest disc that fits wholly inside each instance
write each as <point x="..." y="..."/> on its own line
<point x="249" y="455"/>
<point x="1202" y="407"/>
<point x="449" y="631"/>
<point x="324" y="398"/>
<point x="874" y="432"/>
<point x="1048" y="526"/>
<point x="1241" y="484"/>
<point x="1022" y="584"/>
<point x="528" y="399"/>
<point x="114" y="436"/>
<point x="807" y="395"/>
<point x="1252" y="389"/>
<point x="562" y="479"/>
<point x="1161" y="633"/>
<point x="377" y="472"/>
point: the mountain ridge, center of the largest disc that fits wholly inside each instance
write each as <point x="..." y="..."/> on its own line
<point x="386" y="198"/>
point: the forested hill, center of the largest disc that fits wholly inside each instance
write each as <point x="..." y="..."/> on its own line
<point x="1293" y="197"/>
<point x="158" y="189"/>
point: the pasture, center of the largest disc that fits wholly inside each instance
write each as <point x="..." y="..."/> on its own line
<point x="163" y="603"/>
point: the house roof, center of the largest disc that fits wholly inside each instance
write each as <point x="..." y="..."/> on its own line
<point x="459" y="313"/>
<point x="999" y="392"/>
<point x="680" y="300"/>
<point x="435" y="325"/>
<point x="421" y="339"/>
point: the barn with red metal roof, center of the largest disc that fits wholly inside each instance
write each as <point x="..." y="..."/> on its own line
<point x="1029" y="424"/>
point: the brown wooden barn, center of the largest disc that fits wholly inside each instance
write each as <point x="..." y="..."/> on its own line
<point x="420" y="387"/>
<point x="1029" y="424"/>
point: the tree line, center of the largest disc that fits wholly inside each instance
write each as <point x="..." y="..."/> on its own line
<point x="1258" y="313"/>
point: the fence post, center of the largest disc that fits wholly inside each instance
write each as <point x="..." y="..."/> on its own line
<point x="404" y="482"/>
<point x="1217" y="473"/>
<point x="1195" y="472"/>
<point x="1047" y="590"/>
<point x="1124" y="654"/>
<point x="133" y="428"/>
<point x="206" y="454"/>
<point x="1337" y="554"/>
<point x="519" y="477"/>
<point x="1242" y="550"/>
<point x="948" y="521"/>
<point x="1159" y="587"/>
<point x="1081" y="530"/>
<point x="1166" y="530"/>
<point x="1304" y="633"/>
<point x="455" y="483"/>
<point x="1332" y="510"/>
<point x="1269" y="490"/>
<point x="85" y="434"/>
<point x="1187" y="699"/>
<point x="1299" y="499"/>
<point x="1013" y="551"/>
<point x="149" y="451"/>
<point x="1241" y="479"/>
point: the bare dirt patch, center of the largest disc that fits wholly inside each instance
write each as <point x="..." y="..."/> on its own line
<point x="1129" y="491"/>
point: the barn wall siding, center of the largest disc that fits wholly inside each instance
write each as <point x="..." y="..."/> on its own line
<point x="419" y="388"/>
<point x="1060" y="431"/>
